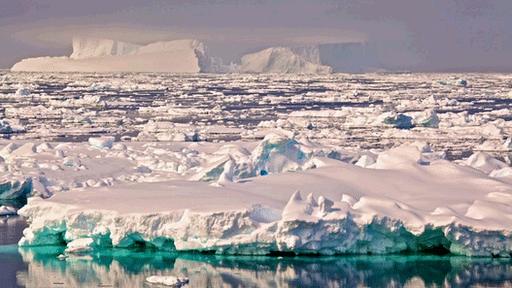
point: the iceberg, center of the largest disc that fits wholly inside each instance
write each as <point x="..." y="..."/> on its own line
<point x="105" y="55"/>
<point x="84" y="48"/>
<point x="354" y="57"/>
<point x="427" y="118"/>
<point x="15" y="189"/>
<point x="5" y="128"/>
<point x="7" y="210"/>
<point x="280" y="60"/>
<point x="191" y="56"/>
<point x="403" y="204"/>
<point x="102" y="142"/>
<point x="400" y="121"/>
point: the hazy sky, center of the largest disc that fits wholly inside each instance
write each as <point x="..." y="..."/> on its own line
<point x="443" y="35"/>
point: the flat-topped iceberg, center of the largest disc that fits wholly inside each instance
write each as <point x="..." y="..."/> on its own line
<point x="281" y="60"/>
<point x="406" y="202"/>
<point x="191" y="56"/>
<point x="312" y="59"/>
<point x="105" y="55"/>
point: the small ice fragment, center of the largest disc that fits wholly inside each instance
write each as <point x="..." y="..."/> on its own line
<point x="7" y="210"/>
<point x="171" y="281"/>
<point x="105" y="142"/>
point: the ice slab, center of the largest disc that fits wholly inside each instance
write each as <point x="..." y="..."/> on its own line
<point x="401" y="204"/>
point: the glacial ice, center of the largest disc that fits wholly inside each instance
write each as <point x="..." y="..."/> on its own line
<point x="276" y="153"/>
<point x="190" y="56"/>
<point x="84" y="48"/>
<point x="7" y="210"/>
<point x="400" y="121"/>
<point x="104" y="55"/>
<point x="312" y="59"/>
<point x="15" y="188"/>
<point x="5" y="128"/>
<point x="352" y="174"/>
<point x="408" y="202"/>
<point x="281" y="60"/>
<point x="102" y="142"/>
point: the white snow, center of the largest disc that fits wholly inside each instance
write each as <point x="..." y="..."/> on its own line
<point x="337" y="208"/>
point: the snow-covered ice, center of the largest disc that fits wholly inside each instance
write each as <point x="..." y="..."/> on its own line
<point x="406" y="201"/>
<point x="258" y="164"/>
<point x="15" y="188"/>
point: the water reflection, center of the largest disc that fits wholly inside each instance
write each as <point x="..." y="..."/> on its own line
<point x="11" y="229"/>
<point x="121" y="268"/>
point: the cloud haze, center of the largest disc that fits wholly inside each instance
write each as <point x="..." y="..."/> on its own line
<point x="449" y="35"/>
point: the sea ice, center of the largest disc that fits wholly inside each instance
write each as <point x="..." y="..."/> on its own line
<point x="407" y="202"/>
<point x="15" y="188"/>
<point x="5" y="128"/>
<point x="172" y="281"/>
<point x="101" y="142"/>
<point x="7" y="210"/>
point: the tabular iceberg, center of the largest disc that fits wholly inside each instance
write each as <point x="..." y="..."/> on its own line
<point x="406" y="201"/>
<point x="105" y="55"/>
<point x="191" y="56"/>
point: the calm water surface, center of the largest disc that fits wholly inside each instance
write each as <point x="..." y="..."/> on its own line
<point x="40" y="267"/>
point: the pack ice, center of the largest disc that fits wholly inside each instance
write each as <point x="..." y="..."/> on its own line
<point x="284" y="194"/>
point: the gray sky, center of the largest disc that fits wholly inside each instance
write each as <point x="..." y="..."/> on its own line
<point x="427" y="35"/>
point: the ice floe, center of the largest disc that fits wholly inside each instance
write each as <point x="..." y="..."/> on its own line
<point x="410" y="201"/>
<point x="172" y="281"/>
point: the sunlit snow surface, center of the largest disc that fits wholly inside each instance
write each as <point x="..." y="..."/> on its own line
<point x="261" y="164"/>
